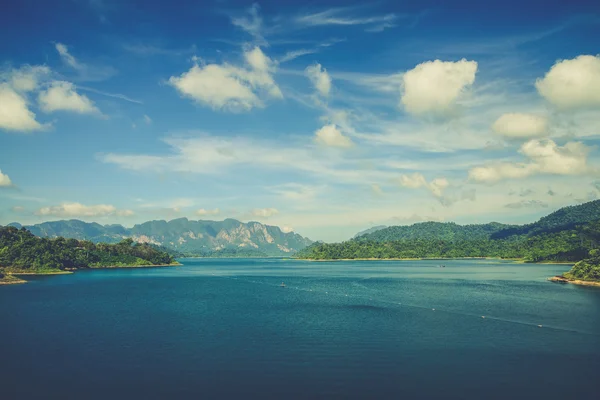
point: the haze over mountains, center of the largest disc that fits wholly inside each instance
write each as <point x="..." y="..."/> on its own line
<point x="230" y="236"/>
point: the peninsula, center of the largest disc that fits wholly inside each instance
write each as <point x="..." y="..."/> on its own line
<point x="22" y="253"/>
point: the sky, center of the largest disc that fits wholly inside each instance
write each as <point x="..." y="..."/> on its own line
<point x="322" y="117"/>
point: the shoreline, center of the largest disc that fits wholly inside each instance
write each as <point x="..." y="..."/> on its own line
<point x="562" y="279"/>
<point x="11" y="278"/>
<point x="175" y="264"/>
<point x="514" y="260"/>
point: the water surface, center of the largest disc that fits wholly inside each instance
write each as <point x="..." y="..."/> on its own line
<point x="224" y="328"/>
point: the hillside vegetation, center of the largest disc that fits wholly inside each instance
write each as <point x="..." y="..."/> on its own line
<point x="568" y="234"/>
<point x="21" y="251"/>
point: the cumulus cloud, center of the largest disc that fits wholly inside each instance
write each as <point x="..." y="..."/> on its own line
<point x="230" y="88"/>
<point x="527" y="204"/>
<point x="572" y="84"/>
<point x="545" y="157"/>
<point x="264" y="212"/>
<point x="519" y="125"/>
<point x="61" y="96"/>
<point x="203" y="212"/>
<point x="67" y="210"/>
<point x="15" y="115"/>
<point x="5" y="180"/>
<point x="319" y="78"/>
<point x="433" y="87"/>
<point x="287" y="229"/>
<point x="27" y="78"/>
<point x="417" y="180"/>
<point x="330" y="135"/>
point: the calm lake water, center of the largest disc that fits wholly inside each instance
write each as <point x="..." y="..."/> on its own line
<point x="225" y="329"/>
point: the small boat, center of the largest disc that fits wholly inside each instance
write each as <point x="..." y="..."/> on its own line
<point x="282" y="284"/>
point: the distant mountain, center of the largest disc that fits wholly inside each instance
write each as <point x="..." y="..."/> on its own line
<point x="183" y="236"/>
<point x="370" y="230"/>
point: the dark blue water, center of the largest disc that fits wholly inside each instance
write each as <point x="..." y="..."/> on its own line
<point x="225" y="329"/>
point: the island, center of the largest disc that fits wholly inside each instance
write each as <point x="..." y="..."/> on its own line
<point x="22" y="253"/>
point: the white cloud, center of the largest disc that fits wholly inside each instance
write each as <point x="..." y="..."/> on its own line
<point x="27" y="78"/>
<point x="319" y="78"/>
<point x="417" y="180"/>
<point x="341" y="16"/>
<point x="5" y="180"/>
<point x="147" y="119"/>
<point x="519" y="125"/>
<point x="203" y="212"/>
<point x="572" y="83"/>
<point x="14" y="113"/>
<point x="86" y="72"/>
<point x="545" y="157"/>
<point x="264" y="212"/>
<point x="293" y="54"/>
<point x="330" y="135"/>
<point x="61" y="96"/>
<point x="67" y="210"/>
<point x="433" y="87"/>
<point x="499" y="171"/>
<point x="438" y="185"/>
<point x="17" y="209"/>
<point x="287" y="229"/>
<point x="66" y="56"/>
<point x="252" y="24"/>
<point x="226" y="87"/>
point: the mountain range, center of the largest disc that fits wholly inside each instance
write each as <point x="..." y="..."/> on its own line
<point x="229" y="237"/>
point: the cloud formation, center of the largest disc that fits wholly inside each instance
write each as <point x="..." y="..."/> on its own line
<point x="264" y="212"/>
<point x="417" y="180"/>
<point x="15" y="114"/>
<point x="433" y="87"/>
<point x="341" y="16"/>
<point x="5" y="180"/>
<point x="572" y="84"/>
<point x="545" y="157"/>
<point x="319" y="78"/>
<point x="230" y="88"/>
<point x="62" y="96"/>
<point x="67" y="210"/>
<point x="330" y="135"/>
<point x="520" y="125"/>
<point x="203" y="212"/>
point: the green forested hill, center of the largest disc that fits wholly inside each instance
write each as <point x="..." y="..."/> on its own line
<point x="565" y="235"/>
<point x="434" y="230"/>
<point x="21" y="251"/>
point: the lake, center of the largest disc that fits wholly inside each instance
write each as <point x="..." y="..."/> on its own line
<point x="224" y="328"/>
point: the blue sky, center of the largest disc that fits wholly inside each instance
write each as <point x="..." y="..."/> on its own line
<point x="324" y="118"/>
